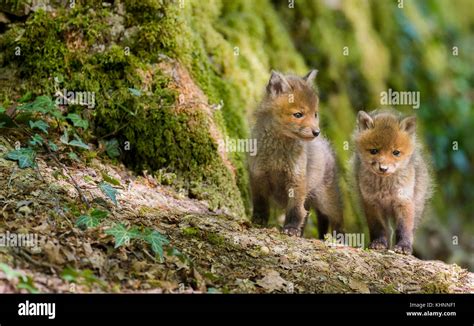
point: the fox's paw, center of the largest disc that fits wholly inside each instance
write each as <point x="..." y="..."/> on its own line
<point x="378" y="244"/>
<point x="403" y="248"/>
<point x="292" y="231"/>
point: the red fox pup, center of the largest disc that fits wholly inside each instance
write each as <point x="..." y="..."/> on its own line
<point x="392" y="176"/>
<point x="293" y="166"/>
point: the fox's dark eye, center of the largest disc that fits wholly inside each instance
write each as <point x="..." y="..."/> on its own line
<point x="396" y="152"/>
<point x="316" y="115"/>
<point x="298" y="115"/>
<point x="374" y="151"/>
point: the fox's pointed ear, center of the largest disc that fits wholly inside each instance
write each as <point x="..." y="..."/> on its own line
<point x="311" y="76"/>
<point x="364" y="121"/>
<point x="277" y="84"/>
<point x="408" y="124"/>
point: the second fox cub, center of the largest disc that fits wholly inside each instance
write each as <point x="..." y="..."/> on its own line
<point x="293" y="166"/>
<point x="392" y="176"/>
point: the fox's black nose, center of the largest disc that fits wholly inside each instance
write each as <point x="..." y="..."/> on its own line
<point x="315" y="133"/>
<point x="383" y="169"/>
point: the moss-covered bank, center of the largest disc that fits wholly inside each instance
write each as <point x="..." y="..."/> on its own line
<point x="108" y="49"/>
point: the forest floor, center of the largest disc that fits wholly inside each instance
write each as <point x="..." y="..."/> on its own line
<point x="208" y="251"/>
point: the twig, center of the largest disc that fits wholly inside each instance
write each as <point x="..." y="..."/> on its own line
<point x="5" y="207"/>
<point x="60" y="211"/>
<point x="11" y="177"/>
<point x="12" y="112"/>
<point x="39" y="172"/>
<point x="35" y="262"/>
<point x="74" y="183"/>
<point x="115" y="131"/>
<point x="149" y="255"/>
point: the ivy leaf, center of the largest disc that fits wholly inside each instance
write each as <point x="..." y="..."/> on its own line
<point x="43" y="104"/>
<point x="24" y="281"/>
<point x="157" y="241"/>
<point x="65" y="137"/>
<point x="120" y="233"/>
<point x="97" y="213"/>
<point x="135" y="92"/>
<point x="25" y="98"/>
<point x="2" y="110"/>
<point x="40" y="124"/>
<point x="135" y="233"/>
<point x="10" y="273"/>
<point x="77" y="121"/>
<point x="86" y="221"/>
<point x="27" y="283"/>
<point x="78" y="142"/>
<point x="52" y="146"/>
<point x="109" y="191"/>
<point x="36" y="140"/>
<point x="92" y="220"/>
<point x="85" y="277"/>
<point x="73" y="156"/>
<point x="109" y="179"/>
<point x="112" y="148"/>
<point x="69" y="275"/>
<point x="24" y="156"/>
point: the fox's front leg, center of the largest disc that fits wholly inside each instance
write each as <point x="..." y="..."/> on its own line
<point x="404" y="216"/>
<point x="260" y="202"/>
<point x="377" y="226"/>
<point x="296" y="214"/>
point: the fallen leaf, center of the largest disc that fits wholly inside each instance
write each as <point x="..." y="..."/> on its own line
<point x="52" y="251"/>
<point x="272" y="281"/>
<point x="358" y="286"/>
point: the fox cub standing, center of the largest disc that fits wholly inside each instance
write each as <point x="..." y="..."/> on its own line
<point x="392" y="176"/>
<point x="293" y="166"/>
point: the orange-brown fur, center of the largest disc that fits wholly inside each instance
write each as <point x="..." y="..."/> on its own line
<point x="392" y="176"/>
<point x="293" y="167"/>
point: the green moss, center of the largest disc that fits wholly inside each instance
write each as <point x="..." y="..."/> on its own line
<point x="212" y="238"/>
<point x="435" y="288"/>
<point x="215" y="239"/>
<point x="390" y="289"/>
<point x="158" y="136"/>
<point x="439" y="284"/>
<point x="191" y="231"/>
